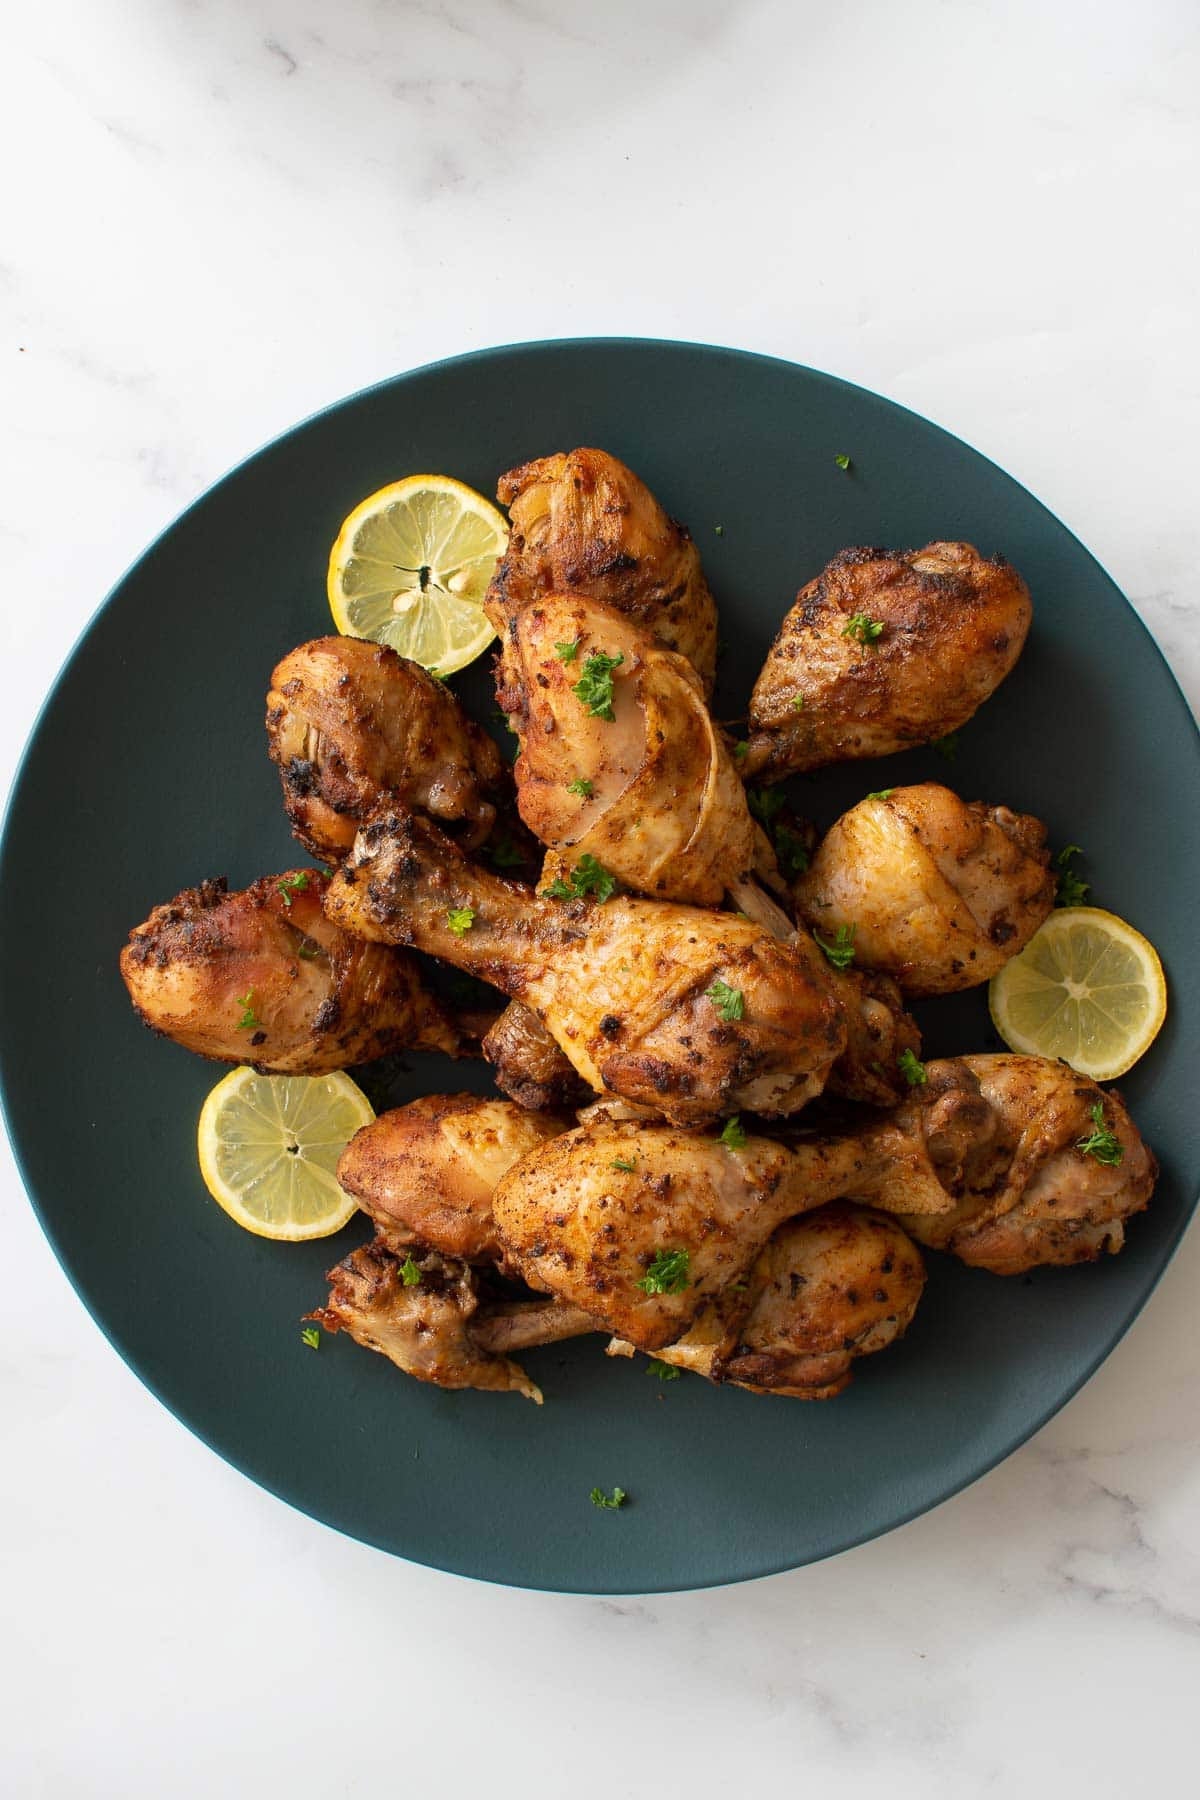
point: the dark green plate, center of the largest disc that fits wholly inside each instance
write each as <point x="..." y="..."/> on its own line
<point x="147" y="771"/>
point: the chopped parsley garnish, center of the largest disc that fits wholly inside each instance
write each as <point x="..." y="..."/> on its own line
<point x="740" y="748"/>
<point x="764" y="803"/>
<point x="595" y="686"/>
<point x="1071" y="891"/>
<point x="438" y="675"/>
<point x="627" y="1168"/>
<point x="720" y="530"/>
<point x="733" y="1136"/>
<point x="410" y="1275"/>
<point x="728" y="1001"/>
<point x="791" y="852"/>
<point x="567" y="652"/>
<point x="668" y="1273"/>
<point x="863" y="630"/>
<point x="663" y="1371"/>
<point x="460" y="919"/>
<point x="249" y="1020"/>
<point x="797" y="702"/>
<point x="288" y="885"/>
<point x="881" y="794"/>
<point x="841" y="951"/>
<point x="913" y="1071"/>
<point x="581" y="786"/>
<point x="617" y="1498"/>
<point x="308" y="951"/>
<point x="842" y="461"/>
<point x="312" y="1337"/>
<point x="588" y="877"/>
<point x="504" y="853"/>
<point x="1102" y="1143"/>
<point x="946" y="747"/>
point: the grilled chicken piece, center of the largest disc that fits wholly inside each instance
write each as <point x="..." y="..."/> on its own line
<point x="693" y="1013"/>
<point x="423" y="1328"/>
<point x="953" y="624"/>
<point x="263" y="977"/>
<point x="642" y="1226"/>
<point x="1005" y="1135"/>
<point x="582" y="522"/>
<point x="425" y="1172"/>
<point x="632" y="772"/>
<point x="939" y="893"/>
<point x="527" y="1063"/>
<point x="353" y="726"/>
<point x="826" y="1288"/>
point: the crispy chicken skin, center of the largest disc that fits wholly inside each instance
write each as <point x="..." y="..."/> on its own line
<point x="940" y="893"/>
<point x="263" y="977"/>
<point x="1004" y="1134"/>
<point x="425" y="1172"/>
<point x="623" y="987"/>
<point x="663" y="807"/>
<point x="582" y="522"/>
<point x="423" y="1328"/>
<point x="587" y="1215"/>
<point x="954" y="623"/>
<point x="527" y="1063"/>
<point x="827" y="1288"/>
<point x="353" y="726"/>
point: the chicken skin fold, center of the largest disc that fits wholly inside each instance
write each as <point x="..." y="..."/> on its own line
<point x="425" y="1172"/>
<point x="583" y="523"/>
<point x="883" y="650"/>
<point x="693" y="1013"/>
<point x="634" y="774"/>
<point x="939" y="893"/>
<point x="1006" y="1135"/>
<point x="353" y="726"/>
<point x="263" y="977"/>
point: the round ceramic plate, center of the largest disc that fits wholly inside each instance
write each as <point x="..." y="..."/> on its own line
<point x="147" y="771"/>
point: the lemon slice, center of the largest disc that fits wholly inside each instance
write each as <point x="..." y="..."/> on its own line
<point x="411" y="566"/>
<point x="1087" y="987"/>
<point x="269" y="1146"/>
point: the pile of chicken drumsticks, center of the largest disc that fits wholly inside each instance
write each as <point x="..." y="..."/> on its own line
<point x="680" y="974"/>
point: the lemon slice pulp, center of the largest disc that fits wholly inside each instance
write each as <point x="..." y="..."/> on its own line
<point x="269" y="1146"/>
<point x="410" y="568"/>
<point x="1087" y="987"/>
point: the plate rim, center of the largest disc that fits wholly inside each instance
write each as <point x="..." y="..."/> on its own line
<point x="481" y="355"/>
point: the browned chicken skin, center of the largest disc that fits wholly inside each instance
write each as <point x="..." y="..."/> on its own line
<point x="953" y="624"/>
<point x="939" y="894"/>
<point x="582" y="522"/>
<point x="632" y="990"/>
<point x="1004" y="1134"/>
<point x="645" y="784"/>
<point x="425" y="1172"/>
<point x="262" y="976"/>
<point x="353" y="726"/>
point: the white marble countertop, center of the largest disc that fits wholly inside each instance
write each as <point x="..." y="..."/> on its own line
<point x="220" y="215"/>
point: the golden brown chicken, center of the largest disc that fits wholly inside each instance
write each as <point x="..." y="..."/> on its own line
<point x="619" y="757"/>
<point x="527" y="1063"/>
<point x="425" y="1172"/>
<point x="1043" y="1165"/>
<point x="643" y="1226"/>
<point x="693" y="1013"/>
<point x="353" y="726"/>
<point x="825" y="1289"/>
<point x="937" y="893"/>
<point x="423" y="1326"/>
<point x="883" y="650"/>
<point x="583" y="522"/>
<point x="263" y="977"/>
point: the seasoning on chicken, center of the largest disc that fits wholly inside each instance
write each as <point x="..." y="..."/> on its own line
<point x="582" y="522"/>
<point x="939" y="894"/>
<point x="883" y="650"/>
<point x="352" y="726"/>
<point x="263" y="977"/>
